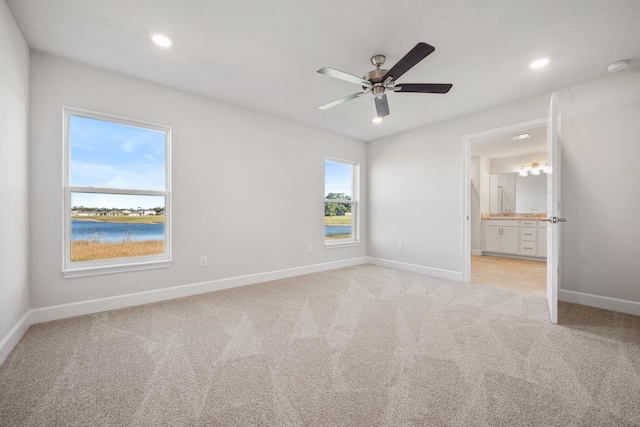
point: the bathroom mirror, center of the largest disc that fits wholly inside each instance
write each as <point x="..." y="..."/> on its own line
<point x="512" y="193"/>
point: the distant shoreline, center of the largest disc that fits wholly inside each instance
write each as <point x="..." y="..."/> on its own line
<point x="143" y="220"/>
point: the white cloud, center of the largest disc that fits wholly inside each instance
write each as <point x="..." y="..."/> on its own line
<point x="143" y="177"/>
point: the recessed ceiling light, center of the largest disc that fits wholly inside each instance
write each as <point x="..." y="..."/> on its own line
<point x="376" y="120"/>
<point x="521" y="136"/>
<point x="161" y="40"/>
<point x="539" y="63"/>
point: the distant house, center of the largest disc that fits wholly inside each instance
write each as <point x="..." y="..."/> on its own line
<point x="135" y="213"/>
<point x="126" y="212"/>
<point x="149" y="213"/>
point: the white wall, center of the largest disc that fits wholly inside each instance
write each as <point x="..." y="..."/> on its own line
<point x="416" y="189"/>
<point x="601" y="189"/>
<point x="247" y="188"/>
<point x="513" y="163"/>
<point x="14" y="180"/>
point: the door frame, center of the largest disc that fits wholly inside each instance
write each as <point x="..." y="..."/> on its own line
<point x="467" y="140"/>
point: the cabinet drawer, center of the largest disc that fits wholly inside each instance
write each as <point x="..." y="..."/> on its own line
<point x="529" y="234"/>
<point x="501" y="223"/>
<point x="528" y="248"/>
<point x="528" y="223"/>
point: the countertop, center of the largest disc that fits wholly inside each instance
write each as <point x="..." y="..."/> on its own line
<point x="515" y="216"/>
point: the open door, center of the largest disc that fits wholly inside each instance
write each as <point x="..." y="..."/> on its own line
<point x="553" y="210"/>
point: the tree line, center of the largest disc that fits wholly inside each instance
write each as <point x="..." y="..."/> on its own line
<point x="86" y="209"/>
<point x="333" y="209"/>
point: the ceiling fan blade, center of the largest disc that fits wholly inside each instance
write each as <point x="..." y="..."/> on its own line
<point x="423" y="87"/>
<point x="415" y="55"/>
<point x="382" y="106"/>
<point x="341" y="100"/>
<point x="344" y="76"/>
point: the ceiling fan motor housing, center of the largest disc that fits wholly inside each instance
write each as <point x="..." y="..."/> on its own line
<point x="375" y="77"/>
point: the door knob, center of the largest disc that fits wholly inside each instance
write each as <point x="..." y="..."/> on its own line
<point x="555" y="220"/>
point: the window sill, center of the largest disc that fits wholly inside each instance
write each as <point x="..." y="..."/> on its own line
<point x="111" y="269"/>
<point x="337" y="245"/>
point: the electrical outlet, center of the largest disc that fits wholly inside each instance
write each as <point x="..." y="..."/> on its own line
<point x="401" y="246"/>
<point x="203" y="261"/>
<point x="309" y="249"/>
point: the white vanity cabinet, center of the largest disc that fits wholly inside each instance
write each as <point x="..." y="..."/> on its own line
<point x="501" y="236"/>
<point x="515" y="237"/>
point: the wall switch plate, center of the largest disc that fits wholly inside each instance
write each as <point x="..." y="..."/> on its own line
<point x="203" y="261"/>
<point x="309" y="249"/>
<point x="400" y="246"/>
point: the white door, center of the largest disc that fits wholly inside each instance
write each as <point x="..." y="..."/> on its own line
<point x="553" y="210"/>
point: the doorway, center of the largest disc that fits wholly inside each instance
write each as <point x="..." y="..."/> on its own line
<point x="500" y="194"/>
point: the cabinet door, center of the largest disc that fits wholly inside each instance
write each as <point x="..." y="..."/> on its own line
<point x="492" y="239"/>
<point x="542" y="242"/>
<point x="510" y="240"/>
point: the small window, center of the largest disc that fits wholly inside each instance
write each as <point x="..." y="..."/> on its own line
<point x="341" y="202"/>
<point x="116" y="190"/>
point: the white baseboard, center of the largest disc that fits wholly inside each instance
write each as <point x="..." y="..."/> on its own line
<point x="415" y="268"/>
<point x="476" y="252"/>
<point x="597" y="301"/>
<point x="11" y="339"/>
<point x="62" y="311"/>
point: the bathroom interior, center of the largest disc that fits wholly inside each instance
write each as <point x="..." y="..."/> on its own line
<point x="508" y="202"/>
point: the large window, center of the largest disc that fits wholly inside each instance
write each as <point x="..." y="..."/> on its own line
<point x="341" y="202"/>
<point x="116" y="194"/>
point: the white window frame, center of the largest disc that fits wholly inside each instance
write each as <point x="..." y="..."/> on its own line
<point x="114" y="265"/>
<point x="354" y="202"/>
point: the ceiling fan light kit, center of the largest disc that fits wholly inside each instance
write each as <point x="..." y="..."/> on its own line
<point x="379" y="80"/>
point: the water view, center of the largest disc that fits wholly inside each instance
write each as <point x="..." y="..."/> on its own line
<point x="115" y="231"/>
<point x="337" y="230"/>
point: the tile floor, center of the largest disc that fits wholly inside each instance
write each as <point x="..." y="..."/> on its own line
<point x="515" y="274"/>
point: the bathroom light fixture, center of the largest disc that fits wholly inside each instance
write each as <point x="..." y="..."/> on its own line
<point x="533" y="169"/>
<point x="521" y="136"/>
<point x="161" y="40"/>
<point x="539" y="63"/>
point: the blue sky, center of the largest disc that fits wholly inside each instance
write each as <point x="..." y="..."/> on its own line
<point x="112" y="155"/>
<point x="337" y="178"/>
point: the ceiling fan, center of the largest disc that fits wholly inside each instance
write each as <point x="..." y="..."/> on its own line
<point x="379" y="80"/>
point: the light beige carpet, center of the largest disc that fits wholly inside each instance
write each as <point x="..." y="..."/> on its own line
<point x="361" y="346"/>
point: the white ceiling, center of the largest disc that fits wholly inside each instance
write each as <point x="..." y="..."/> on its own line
<point x="505" y="146"/>
<point x="263" y="55"/>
